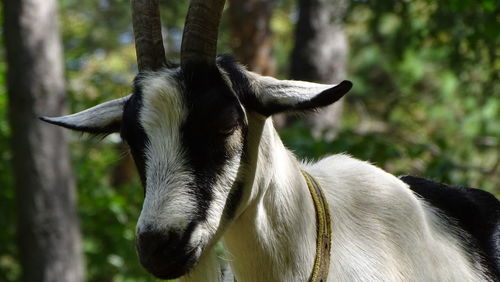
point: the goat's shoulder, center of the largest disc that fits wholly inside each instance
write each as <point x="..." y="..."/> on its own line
<point x="345" y="172"/>
<point x="351" y="181"/>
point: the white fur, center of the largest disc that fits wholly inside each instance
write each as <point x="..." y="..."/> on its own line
<point x="167" y="205"/>
<point x="207" y="269"/>
<point x="381" y="230"/>
<point x="262" y="242"/>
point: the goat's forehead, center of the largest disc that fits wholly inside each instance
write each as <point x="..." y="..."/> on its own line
<point x="163" y="103"/>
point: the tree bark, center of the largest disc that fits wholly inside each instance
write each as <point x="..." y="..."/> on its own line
<point x="320" y="55"/>
<point x="48" y="228"/>
<point x="124" y="171"/>
<point x="251" y="36"/>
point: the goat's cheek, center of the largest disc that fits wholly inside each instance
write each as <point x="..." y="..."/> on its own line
<point x="234" y="141"/>
<point x="200" y="237"/>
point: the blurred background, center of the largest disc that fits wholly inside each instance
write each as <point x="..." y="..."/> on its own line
<point x="426" y="102"/>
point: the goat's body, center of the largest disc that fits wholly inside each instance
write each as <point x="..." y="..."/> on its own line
<point x="381" y="230"/>
<point x="214" y="167"/>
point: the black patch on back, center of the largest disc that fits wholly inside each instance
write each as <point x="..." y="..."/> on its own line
<point x="214" y="114"/>
<point x="132" y="132"/>
<point x="476" y="211"/>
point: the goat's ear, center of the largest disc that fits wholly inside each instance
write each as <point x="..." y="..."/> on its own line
<point x="104" y="118"/>
<point x="274" y="96"/>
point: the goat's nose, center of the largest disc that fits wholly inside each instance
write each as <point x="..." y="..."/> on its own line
<point x="153" y="246"/>
<point x="163" y="254"/>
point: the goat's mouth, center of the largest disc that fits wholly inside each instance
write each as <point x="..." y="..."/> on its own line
<point x="171" y="264"/>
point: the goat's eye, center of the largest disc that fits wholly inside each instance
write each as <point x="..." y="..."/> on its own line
<point x="227" y="130"/>
<point x="123" y="135"/>
<point x="226" y="121"/>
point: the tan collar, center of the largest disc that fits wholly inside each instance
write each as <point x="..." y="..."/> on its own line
<point x="323" y="231"/>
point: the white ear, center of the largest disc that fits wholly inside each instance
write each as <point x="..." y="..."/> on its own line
<point x="274" y="96"/>
<point x="104" y="118"/>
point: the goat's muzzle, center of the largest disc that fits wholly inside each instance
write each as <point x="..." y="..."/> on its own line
<point x="165" y="255"/>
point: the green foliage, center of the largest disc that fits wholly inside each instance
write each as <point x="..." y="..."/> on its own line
<point x="426" y="101"/>
<point x="426" y="97"/>
<point x="108" y="213"/>
<point x="430" y="80"/>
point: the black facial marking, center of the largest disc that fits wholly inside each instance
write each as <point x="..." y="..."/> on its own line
<point x="132" y="131"/>
<point x="214" y="114"/>
<point x="477" y="212"/>
<point x="241" y="83"/>
<point x="233" y="200"/>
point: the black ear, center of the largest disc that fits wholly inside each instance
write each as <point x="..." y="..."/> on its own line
<point x="101" y="119"/>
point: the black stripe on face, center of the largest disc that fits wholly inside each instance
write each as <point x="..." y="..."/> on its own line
<point x="214" y="116"/>
<point x="236" y="194"/>
<point x="233" y="200"/>
<point x="132" y="132"/>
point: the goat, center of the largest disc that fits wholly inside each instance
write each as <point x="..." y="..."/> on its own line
<point x="213" y="167"/>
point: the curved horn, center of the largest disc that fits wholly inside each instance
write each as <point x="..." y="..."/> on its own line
<point x="199" y="40"/>
<point x="147" y="32"/>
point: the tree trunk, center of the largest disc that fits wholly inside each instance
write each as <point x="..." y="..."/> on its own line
<point x="124" y="170"/>
<point x="320" y="55"/>
<point x="251" y="36"/>
<point x="48" y="230"/>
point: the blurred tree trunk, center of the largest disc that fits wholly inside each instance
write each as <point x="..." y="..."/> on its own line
<point x="320" y="55"/>
<point x="124" y="171"/>
<point x="48" y="229"/>
<point x="251" y="36"/>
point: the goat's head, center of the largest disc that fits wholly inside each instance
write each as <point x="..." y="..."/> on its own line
<point x="187" y="128"/>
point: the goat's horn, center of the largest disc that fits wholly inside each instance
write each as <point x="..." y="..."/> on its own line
<point x="199" y="41"/>
<point x="147" y="33"/>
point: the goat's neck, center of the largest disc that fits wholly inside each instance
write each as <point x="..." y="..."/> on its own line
<point x="273" y="236"/>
